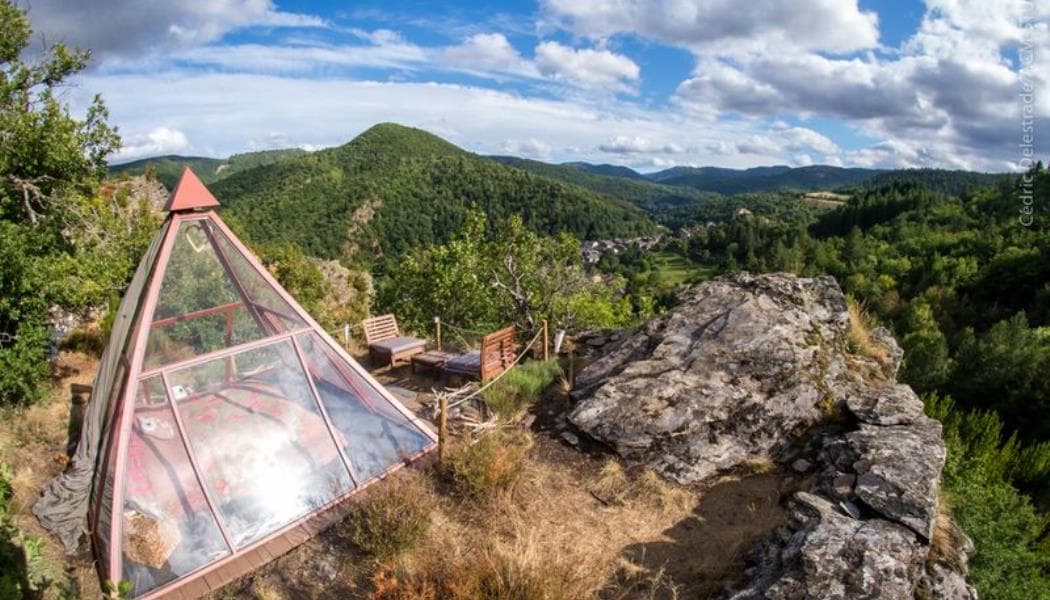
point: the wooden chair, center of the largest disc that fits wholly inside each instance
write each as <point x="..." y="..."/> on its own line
<point x="497" y="354"/>
<point x="386" y="345"/>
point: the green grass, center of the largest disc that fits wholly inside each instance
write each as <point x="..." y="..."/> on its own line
<point x="520" y="387"/>
<point x="674" y="269"/>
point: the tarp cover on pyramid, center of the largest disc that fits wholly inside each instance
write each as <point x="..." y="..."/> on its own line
<point x="225" y="426"/>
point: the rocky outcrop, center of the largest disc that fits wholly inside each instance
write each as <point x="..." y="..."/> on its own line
<point x="736" y="371"/>
<point x="750" y="367"/>
<point x="826" y="554"/>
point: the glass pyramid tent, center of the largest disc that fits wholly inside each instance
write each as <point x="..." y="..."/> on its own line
<point x="225" y="426"/>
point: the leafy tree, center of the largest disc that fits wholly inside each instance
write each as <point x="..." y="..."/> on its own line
<point x="62" y="244"/>
<point x="479" y="283"/>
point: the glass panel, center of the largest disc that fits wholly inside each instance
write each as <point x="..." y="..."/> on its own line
<point x="263" y="448"/>
<point x="199" y="308"/>
<point x="169" y="530"/>
<point x="376" y="434"/>
<point x="274" y="309"/>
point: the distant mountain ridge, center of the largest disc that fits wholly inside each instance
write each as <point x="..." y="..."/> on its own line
<point x="168" y="168"/>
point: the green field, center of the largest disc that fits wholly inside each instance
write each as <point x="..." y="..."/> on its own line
<point x="674" y="269"/>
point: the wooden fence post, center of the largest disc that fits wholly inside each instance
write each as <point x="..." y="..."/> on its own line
<point x="546" y="342"/>
<point x="346" y="337"/>
<point x="572" y="368"/>
<point x="437" y="333"/>
<point x="442" y="426"/>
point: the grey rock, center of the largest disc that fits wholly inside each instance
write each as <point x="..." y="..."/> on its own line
<point x="944" y="583"/>
<point x="571" y="438"/>
<point x="756" y="366"/>
<point x="899" y="470"/>
<point x="894" y="404"/>
<point x="826" y="554"/>
<point x="735" y="371"/>
<point x="842" y="485"/>
<point x="881" y="335"/>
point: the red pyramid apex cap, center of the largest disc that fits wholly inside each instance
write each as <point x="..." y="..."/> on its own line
<point x="190" y="194"/>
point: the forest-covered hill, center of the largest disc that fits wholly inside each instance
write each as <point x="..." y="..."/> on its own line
<point x="167" y="169"/>
<point x="648" y="195"/>
<point x="764" y="179"/>
<point x="393" y="188"/>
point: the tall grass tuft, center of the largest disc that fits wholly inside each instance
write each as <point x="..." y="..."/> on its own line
<point x="391" y="518"/>
<point x="860" y="325"/>
<point x="520" y="387"/>
<point x="490" y="466"/>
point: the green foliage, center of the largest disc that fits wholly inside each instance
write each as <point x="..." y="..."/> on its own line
<point x="650" y="196"/>
<point x="948" y="275"/>
<point x="491" y="466"/>
<point x="763" y="179"/>
<point x="520" y="387"/>
<point x="394" y="188"/>
<point x="24" y="571"/>
<point x="62" y="244"/>
<point x="168" y="169"/>
<point x="332" y="294"/>
<point x="980" y="477"/>
<point x="477" y="282"/>
<point x="390" y="518"/>
<point x="1012" y="361"/>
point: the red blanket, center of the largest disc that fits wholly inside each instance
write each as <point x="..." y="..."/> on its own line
<point x="241" y="435"/>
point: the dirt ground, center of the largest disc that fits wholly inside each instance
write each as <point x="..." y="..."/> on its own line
<point x="671" y="542"/>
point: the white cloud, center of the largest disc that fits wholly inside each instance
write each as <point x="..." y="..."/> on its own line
<point x="130" y="28"/>
<point x="597" y="68"/>
<point x="227" y="113"/>
<point x="529" y="148"/>
<point x="949" y="97"/>
<point x="160" y="140"/>
<point x="623" y="144"/>
<point x="487" y="52"/>
<point x="758" y="144"/>
<point x="724" y="25"/>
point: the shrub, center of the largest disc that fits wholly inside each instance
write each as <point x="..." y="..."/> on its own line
<point x="490" y="466"/>
<point x="520" y="387"/>
<point x="392" y="517"/>
<point x="1009" y="561"/>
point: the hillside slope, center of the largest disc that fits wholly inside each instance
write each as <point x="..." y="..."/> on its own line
<point x="169" y="168"/>
<point x="394" y="187"/>
<point x="648" y="195"/>
<point x="764" y="179"/>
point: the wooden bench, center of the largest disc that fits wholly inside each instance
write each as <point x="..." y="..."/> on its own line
<point x="386" y="345"/>
<point x="497" y="354"/>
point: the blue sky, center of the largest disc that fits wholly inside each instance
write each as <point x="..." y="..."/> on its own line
<point x="643" y="83"/>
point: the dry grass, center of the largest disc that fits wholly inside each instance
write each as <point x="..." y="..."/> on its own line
<point x="860" y="325"/>
<point x="948" y="539"/>
<point x="615" y="486"/>
<point x="32" y="444"/>
<point x="757" y="465"/>
<point x="264" y="590"/>
<point x="550" y="539"/>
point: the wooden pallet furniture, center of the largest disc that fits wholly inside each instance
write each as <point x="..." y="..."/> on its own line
<point x="497" y="354"/>
<point x="431" y="361"/>
<point x="386" y="345"/>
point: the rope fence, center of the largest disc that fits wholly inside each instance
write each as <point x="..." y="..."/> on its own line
<point x="448" y="399"/>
